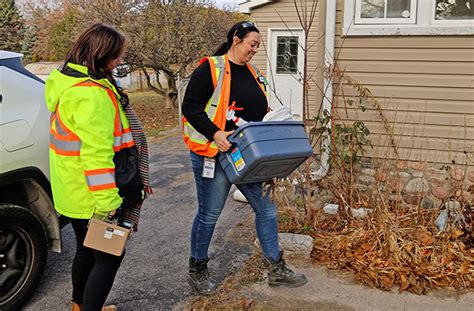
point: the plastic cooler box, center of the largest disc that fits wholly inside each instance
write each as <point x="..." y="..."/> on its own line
<point x="263" y="150"/>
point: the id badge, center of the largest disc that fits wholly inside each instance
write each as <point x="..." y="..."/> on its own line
<point x="209" y="168"/>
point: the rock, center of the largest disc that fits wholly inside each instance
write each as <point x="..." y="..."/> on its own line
<point x="381" y="176"/>
<point x="427" y="203"/>
<point x="296" y="244"/>
<point x="436" y="179"/>
<point x="462" y="195"/>
<point x="238" y="196"/>
<point x="453" y="205"/>
<point x="396" y="186"/>
<point x="366" y="163"/>
<point x="404" y="175"/>
<point x="362" y="188"/>
<point x="442" y="219"/>
<point x="417" y="166"/>
<point x="417" y="174"/>
<point x="401" y="165"/>
<point x="395" y="198"/>
<point x="419" y="185"/>
<point x="366" y="180"/>
<point x="455" y="215"/>
<point x="331" y="208"/>
<point x="470" y="176"/>
<point x="457" y="174"/>
<point x="360" y="212"/>
<point x="440" y="192"/>
<point x="413" y="198"/>
<point x="368" y="171"/>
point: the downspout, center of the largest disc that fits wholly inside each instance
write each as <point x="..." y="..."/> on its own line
<point x="329" y="43"/>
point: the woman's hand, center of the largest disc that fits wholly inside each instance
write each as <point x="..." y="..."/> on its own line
<point x="220" y="138"/>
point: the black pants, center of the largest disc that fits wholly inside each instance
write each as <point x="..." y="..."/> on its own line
<point x="93" y="272"/>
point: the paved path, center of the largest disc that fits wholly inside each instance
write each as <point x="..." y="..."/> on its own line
<point x="153" y="274"/>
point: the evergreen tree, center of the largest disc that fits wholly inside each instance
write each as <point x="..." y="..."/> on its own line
<point x="12" y="27"/>
<point x="28" y="44"/>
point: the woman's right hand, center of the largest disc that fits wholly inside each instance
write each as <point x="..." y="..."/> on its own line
<point x="220" y="138"/>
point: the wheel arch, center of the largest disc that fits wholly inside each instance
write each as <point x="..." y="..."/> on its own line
<point x="29" y="187"/>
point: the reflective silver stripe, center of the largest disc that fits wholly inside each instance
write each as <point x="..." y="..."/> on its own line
<point x="117" y="141"/>
<point x="100" y="179"/>
<point x="220" y="67"/>
<point x="255" y="68"/>
<point x="65" y="145"/>
<point x="125" y="138"/>
<point x="59" y="128"/>
<point x="211" y="106"/>
<point x="194" y="135"/>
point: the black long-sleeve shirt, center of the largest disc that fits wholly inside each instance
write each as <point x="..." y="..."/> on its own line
<point x="244" y="90"/>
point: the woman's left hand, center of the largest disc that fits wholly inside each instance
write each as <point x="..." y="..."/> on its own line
<point x="220" y="138"/>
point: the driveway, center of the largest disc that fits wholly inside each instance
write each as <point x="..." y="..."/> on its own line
<point x="153" y="273"/>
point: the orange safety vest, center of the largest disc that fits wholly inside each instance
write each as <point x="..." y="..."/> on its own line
<point x="65" y="143"/>
<point x="217" y="105"/>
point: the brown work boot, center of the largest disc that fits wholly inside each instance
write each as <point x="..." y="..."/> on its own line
<point x="279" y="274"/>
<point x="77" y="307"/>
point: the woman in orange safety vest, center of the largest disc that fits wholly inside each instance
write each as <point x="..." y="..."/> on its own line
<point x="224" y="92"/>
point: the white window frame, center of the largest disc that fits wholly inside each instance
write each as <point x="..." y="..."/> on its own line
<point x="425" y="23"/>
<point x="359" y="20"/>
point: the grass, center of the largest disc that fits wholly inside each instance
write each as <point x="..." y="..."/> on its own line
<point x="150" y="108"/>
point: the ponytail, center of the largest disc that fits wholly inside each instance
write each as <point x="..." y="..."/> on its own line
<point x="222" y="49"/>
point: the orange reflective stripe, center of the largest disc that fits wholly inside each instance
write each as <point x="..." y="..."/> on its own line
<point x="102" y="187"/>
<point x="213" y="72"/>
<point x="99" y="171"/>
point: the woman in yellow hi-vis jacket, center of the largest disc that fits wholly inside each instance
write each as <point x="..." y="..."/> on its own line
<point x="88" y="126"/>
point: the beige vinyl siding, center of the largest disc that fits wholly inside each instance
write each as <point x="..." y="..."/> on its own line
<point x="425" y="85"/>
<point x="270" y="16"/>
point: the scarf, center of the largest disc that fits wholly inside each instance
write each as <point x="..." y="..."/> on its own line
<point x="132" y="213"/>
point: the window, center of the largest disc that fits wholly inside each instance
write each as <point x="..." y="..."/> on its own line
<point x="287" y="55"/>
<point x="385" y="11"/>
<point x="408" y="17"/>
<point x="452" y="10"/>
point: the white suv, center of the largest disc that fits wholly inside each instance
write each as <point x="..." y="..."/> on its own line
<point x="28" y="223"/>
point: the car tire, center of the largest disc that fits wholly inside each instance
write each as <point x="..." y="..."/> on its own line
<point x="23" y="255"/>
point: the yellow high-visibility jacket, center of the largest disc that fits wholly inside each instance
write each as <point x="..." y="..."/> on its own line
<point x="87" y="126"/>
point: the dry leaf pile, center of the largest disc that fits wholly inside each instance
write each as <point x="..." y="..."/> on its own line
<point x="392" y="250"/>
<point x="392" y="247"/>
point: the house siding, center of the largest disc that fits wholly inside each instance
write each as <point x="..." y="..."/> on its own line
<point x="425" y="86"/>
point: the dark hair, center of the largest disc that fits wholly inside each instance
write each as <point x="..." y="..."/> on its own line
<point x="241" y="29"/>
<point x="95" y="48"/>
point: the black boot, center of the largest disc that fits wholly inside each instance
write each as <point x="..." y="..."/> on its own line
<point x="279" y="274"/>
<point x="199" y="277"/>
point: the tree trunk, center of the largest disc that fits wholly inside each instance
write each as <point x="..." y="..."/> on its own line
<point x="171" y="93"/>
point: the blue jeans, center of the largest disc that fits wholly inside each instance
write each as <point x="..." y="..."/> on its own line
<point x="212" y="194"/>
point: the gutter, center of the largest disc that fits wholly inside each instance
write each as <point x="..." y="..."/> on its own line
<point x="328" y="91"/>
